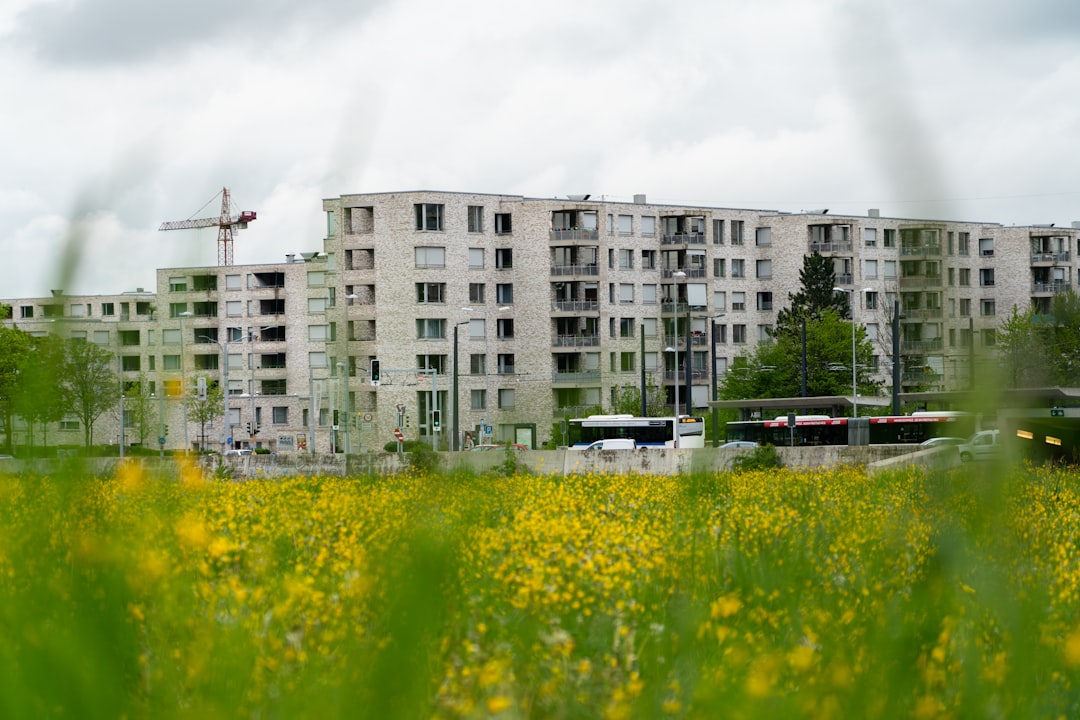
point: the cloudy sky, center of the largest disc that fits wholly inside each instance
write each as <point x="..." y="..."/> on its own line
<point x="119" y="114"/>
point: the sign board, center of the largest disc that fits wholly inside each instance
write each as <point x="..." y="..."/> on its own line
<point x="160" y="440"/>
<point x="398" y="434"/>
<point x="367" y="417"/>
<point x="487" y="429"/>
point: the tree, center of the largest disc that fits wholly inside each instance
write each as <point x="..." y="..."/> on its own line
<point x="39" y="398"/>
<point x="204" y="409"/>
<point x="14" y="348"/>
<point x="816" y="296"/>
<point x="628" y="399"/>
<point x="89" y="386"/>
<point x="141" y="409"/>
<point x="1037" y="350"/>
<point x="774" y="368"/>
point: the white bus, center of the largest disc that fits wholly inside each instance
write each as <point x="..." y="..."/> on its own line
<point x="684" y="431"/>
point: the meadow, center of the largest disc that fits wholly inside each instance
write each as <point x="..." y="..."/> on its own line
<point x="757" y="594"/>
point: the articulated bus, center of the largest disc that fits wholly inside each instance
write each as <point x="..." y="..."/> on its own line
<point x="877" y="430"/>
<point x="683" y="431"/>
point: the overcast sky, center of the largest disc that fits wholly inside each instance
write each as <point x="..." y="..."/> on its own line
<point x="116" y="115"/>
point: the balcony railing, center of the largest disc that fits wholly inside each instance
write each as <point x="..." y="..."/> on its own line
<point x="922" y="313"/>
<point x="830" y="247"/>
<point x="668" y="306"/>
<point x="562" y="270"/>
<point x="573" y="234"/>
<point x="915" y="346"/>
<point x="1053" y="286"/>
<point x="913" y="281"/>
<point x="575" y="376"/>
<point x="576" y="340"/>
<point x="919" y="250"/>
<point x="1044" y="257"/>
<point x="683" y="239"/>
<point x="575" y="306"/>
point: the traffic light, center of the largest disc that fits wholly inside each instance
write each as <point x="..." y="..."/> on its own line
<point x="248" y="426"/>
<point x="436" y="421"/>
<point x="375" y="376"/>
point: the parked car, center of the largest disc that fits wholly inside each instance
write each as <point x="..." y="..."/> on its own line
<point x="738" y="444"/>
<point x="934" y="442"/>
<point x="984" y="445"/>
<point x="237" y="452"/>
<point x="613" y="444"/>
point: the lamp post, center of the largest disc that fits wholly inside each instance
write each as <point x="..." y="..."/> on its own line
<point x="486" y="384"/>
<point x="161" y="420"/>
<point x="854" y="364"/>
<point x="226" y="430"/>
<point x="455" y="442"/>
<point x="347" y="401"/>
<point x="344" y="402"/>
<point x="676" y="276"/>
<point x="183" y="378"/>
<point x="676" y="351"/>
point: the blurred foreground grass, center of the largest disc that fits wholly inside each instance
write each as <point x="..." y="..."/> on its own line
<point x="773" y="594"/>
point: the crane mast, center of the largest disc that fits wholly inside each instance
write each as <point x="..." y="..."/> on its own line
<point x="226" y="222"/>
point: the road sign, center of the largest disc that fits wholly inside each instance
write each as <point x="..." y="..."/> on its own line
<point x="398" y="434"/>
<point x="160" y="440"/>
<point x="487" y="429"/>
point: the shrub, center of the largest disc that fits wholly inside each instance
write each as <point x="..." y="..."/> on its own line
<point x="763" y="457"/>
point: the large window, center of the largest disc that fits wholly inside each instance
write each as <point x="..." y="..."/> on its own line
<point x="738" y="268"/>
<point x="764" y="269"/>
<point x="429" y="216"/>
<point x="430" y="257"/>
<point x="476" y="293"/>
<point x="502" y="224"/>
<point x="737" y="229"/>
<point x="430" y="328"/>
<point x="430" y="292"/>
<point x="507" y="399"/>
<point x="506" y="364"/>
<point x="504" y="293"/>
<point x="504" y="258"/>
<point x="476" y="258"/>
<point x="476" y="219"/>
<point x="986" y="277"/>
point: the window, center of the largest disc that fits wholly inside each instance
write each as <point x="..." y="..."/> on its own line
<point x="648" y="259"/>
<point x="718" y="267"/>
<point x="436" y="363"/>
<point x="476" y="219"/>
<point x="986" y="247"/>
<point x="764" y="301"/>
<point x="502" y="223"/>
<point x="317" y="304"/>
<point x="986" y="277"/>
<point x="234" y="308"/>
<point x="506" y="364"/>
<point x="870" y="300"/>
<point x="131" y="363"/>
<point x="890" y="270"/>
<point x="101" y="337"/>
<point x="504" y="293"/>
<point x="170" y="362"/>
<point x="175" y="309"/>
<point x="429" y="216"/>
<point x="737" y="227"/>
<point x="626" y="327"/>
<point x="869" y="236"/>
<point x="476" y="258"/>
<point x="763" y="236"/>
<point x="719" y="301"/>
<point x="504" y="328"/>
<point x="233" y="282"/>
<point x="430" y="292"/>
<point x="108" y="309"/>
<point x="627" y="362"/>
<point x="648" y="294"/>
<point x="204" y="282"/>
<point x="738" y="301"/>
<point x="987" y="308"/>
<point x="318" y="360"/>
<point x="506" y="398"/>
<point x="738" y="268"/>
<point x="869" y="270"/>
<point x="478" y="399"/>
<point x="279" y="415"/>
<point x="648" y="327"/>
<point x="965" y="307"/>
<point x="611" y="258"/>
<point x="504" y="259"/>
<point x="626" y="224"/>
<point x="129" y="337"/>
<point x="648" y="225"/>
<point x="718" y="232"/>
<point x="738" y="334"/>
<point x="889" y="239"/>
<point x="952" y="277"/>
<point x="764" y="332"/>
<point x="626" y="292"/>
<point x="626" y="259"/>
<point x="430" y="257"/>
<point x="478" y="364"/>
<point x="963" y="243"/>
<point x="764" y="269"/>
<point x="989" y="337"/>
<point x="477" y="328"/>
<point x="177" y="284"/>
<point x="965" y="277"/>
<point x="430" y="328"/>
<point x="316" y="278"/>
<point x="720" y="334"/>
<point x="476" y="293"/>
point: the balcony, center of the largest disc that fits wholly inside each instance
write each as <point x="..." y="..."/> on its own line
<point x="683" y="239"/>
<point x="922" y="313"/>
<point x="669" y="307"/>
<point x="1049" y="257"/>
<point x="920" y="281"/>
<point x="577" y="376"/>
<point x="572" y="235"/>
<point x="919" y="250"/>
<point x="1050" y="287"/>
<point x="921" y="346"/>
<point x="576" y="340"/>
<point x="572" y="270"/>
<point x="830" y="247"/>
<point x="575" y="306"/>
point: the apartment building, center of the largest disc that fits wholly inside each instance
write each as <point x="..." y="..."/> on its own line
<point x="546" y="306"/>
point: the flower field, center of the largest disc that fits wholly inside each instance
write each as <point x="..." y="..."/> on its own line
<point x="779" y="594"/>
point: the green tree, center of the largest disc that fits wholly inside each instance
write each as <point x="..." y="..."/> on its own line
<point x="817" y="295"/>
<point x="89" y="385"/>
<point x="39" y="399"/>
<point x="628" y="399"/>
<point x="1037" y="350"/>
<point x="205" y="409"/>
<point x="14" y="351"/>
<point x="141" y="410"/>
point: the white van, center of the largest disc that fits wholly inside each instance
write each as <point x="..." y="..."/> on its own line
<point x="985" y="445"/>
<point x="613" y="444"/>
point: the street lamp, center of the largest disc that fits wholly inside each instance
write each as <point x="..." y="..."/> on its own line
<point x="676" y="276"/>
<point x="486" y="385"/>
<point x="454" y="442"/>
<point x="854" y="365"/>
<point x="226" y="430"/>
<point x="676" y="351"/>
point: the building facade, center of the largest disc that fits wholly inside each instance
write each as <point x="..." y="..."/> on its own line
<point x="539" y="309"/>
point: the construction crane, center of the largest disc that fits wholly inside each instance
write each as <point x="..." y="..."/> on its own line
<point x="226" y="223"/>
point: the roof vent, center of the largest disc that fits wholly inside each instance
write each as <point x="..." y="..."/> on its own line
<point x="873" y="212"/>
<point x="578" y="198"/>
<point x="639" y="199"/>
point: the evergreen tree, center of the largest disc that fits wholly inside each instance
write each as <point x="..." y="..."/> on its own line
<point x="816" y="296"/>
